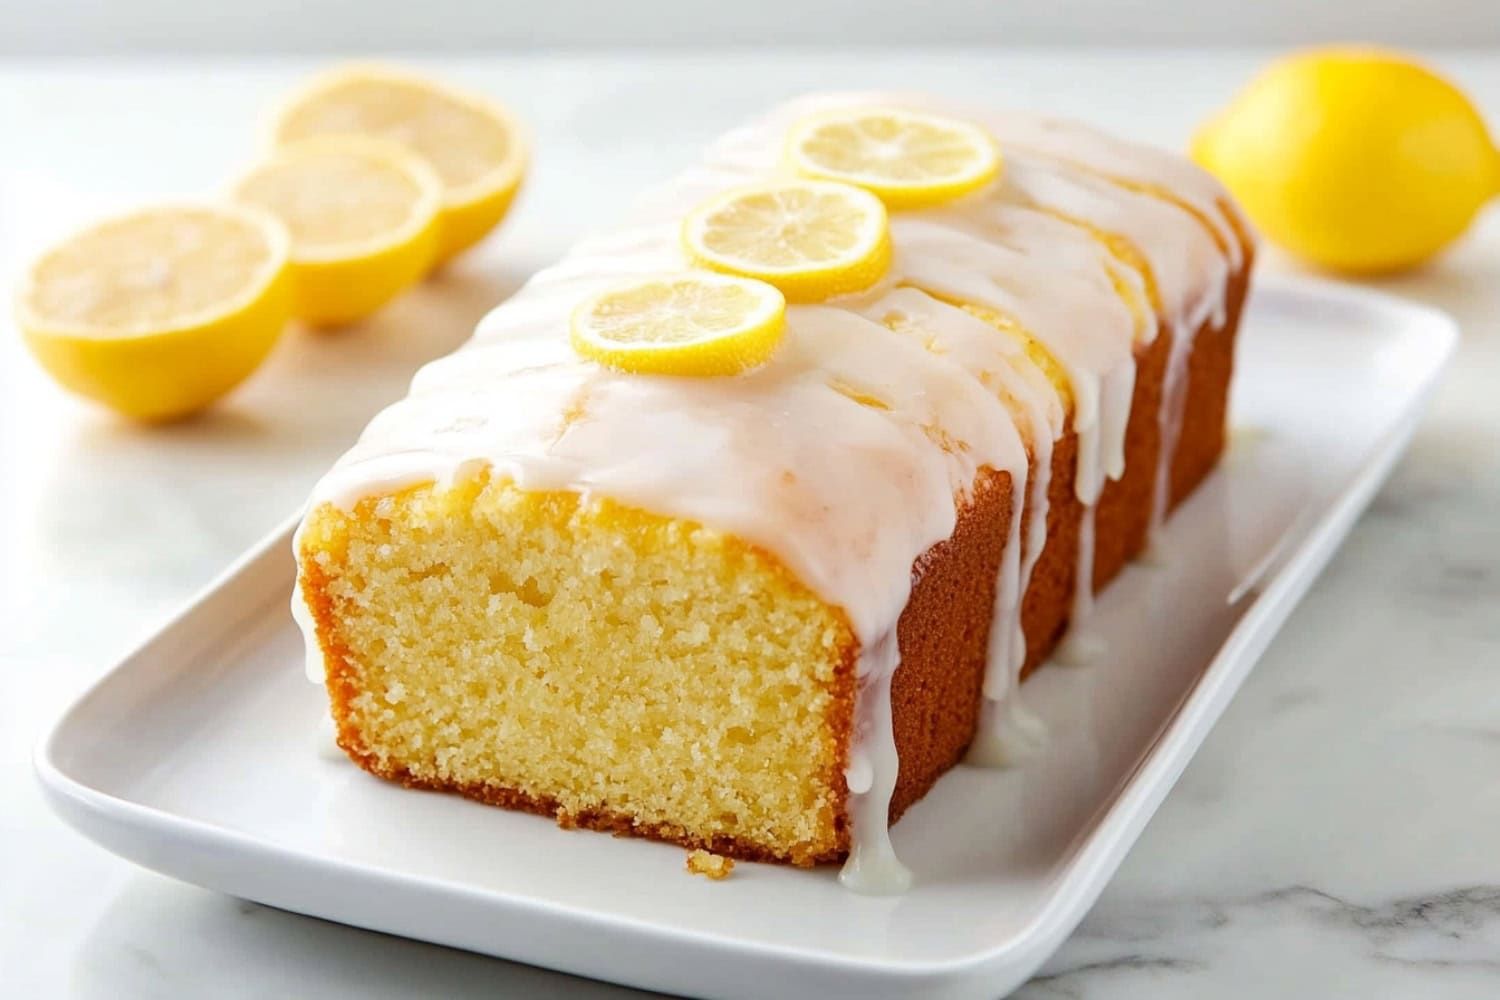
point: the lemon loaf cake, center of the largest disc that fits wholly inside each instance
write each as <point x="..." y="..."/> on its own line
<point x="740" y="526"/>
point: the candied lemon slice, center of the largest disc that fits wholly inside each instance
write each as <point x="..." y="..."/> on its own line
<point x="907" y="158"/>
<point x="811" y="239"/>
<point x="478" y="149"/>
<point x="158" y="313"/>
<point x="363" y="214"/>
<point x="688" y="323"/>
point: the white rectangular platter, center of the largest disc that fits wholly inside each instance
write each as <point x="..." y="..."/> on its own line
<point x="199" y="754"/>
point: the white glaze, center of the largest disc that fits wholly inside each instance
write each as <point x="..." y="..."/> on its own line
<point x="1069" y="168"/>
<point x="1079" y="646"/>
<point x="873" y="867"/>
<point x="313" y="662"/>
<point x="1115" y="158"/>
<point x="847" y="508"/>
<point x="1008" y="733"/>
<point x="1020" y="388"/>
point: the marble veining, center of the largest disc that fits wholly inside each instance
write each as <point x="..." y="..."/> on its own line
<point x="1168" y="946"/>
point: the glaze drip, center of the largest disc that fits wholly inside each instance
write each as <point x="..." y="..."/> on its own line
<point x="872" y="867"/>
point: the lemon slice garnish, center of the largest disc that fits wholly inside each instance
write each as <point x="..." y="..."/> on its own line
<point x="363" y="214"/>
<point x="689" y="323"/>
<point x="909" y="159"/>
<point x="158" y="313"/>
<point x="811" y="239"/>
<point x="476" y="146"/>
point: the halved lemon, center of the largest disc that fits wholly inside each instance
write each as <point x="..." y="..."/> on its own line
<point x="159" y="313"/>
<point x="688" y="323"/>
<point x="909" y="159"/>
<point x="363" y="214"/>
<point x="476" y="146"/>
<point x="811" y="239"/>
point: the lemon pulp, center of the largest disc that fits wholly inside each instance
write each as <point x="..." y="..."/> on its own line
<point x="476" y="147"/>
<point x="363" y="216"/>
<point x="159" y="313"/>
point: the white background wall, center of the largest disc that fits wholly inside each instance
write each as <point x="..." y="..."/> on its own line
<point x="50" y="27"/>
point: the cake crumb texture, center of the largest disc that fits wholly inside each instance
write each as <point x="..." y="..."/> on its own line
<point x="608" y="667"/>
<point x="709" y="864"/>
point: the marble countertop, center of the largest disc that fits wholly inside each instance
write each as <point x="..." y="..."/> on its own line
<point x="1333" y="837"/>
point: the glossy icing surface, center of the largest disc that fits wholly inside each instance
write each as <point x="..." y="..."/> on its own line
<point x="849" y="454"/>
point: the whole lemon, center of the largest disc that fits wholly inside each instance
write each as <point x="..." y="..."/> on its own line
<point x="1355" y="160"/>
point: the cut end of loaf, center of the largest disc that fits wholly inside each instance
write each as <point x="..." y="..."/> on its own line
<point x="610" y="668"/>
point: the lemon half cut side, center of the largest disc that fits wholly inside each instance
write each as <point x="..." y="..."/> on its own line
<point x="478" y="149"/>
<point x="363" y="217"/>
<point x="159" y="312"/>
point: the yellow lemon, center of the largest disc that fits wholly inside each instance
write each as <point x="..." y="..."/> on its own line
<point x="811" y="239"/>
<point x="159" y="313"/>
<point x="363" y="216"/>
<point x="477" y="147"/>
<point x="1355" y="160"/>
<point x="909" y="159"/>
<point x="690" y="323"/>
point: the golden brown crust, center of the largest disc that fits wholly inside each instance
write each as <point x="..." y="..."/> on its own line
<point x="1049" y="593"/>
<point x="601" y="820"/>
<point x="943" y="635"/>
<point x="339" y="675"/>
<point x="944" y="631"/>
<point x="1122" y="519"/>
<point x="1205" y="414"/>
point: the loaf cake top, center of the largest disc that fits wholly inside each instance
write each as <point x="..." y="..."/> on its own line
<point x="843" y="456"/>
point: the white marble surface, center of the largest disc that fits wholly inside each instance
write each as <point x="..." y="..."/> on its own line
<point x="1334" y="837"/>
